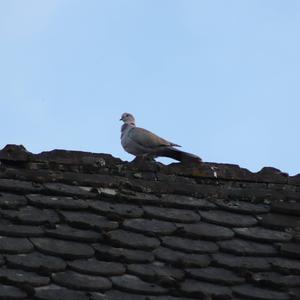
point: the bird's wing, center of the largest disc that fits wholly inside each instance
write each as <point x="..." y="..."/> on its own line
<point x="147" y="139"/>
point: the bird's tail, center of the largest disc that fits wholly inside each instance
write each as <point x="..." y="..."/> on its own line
<point x="180" y="155"/>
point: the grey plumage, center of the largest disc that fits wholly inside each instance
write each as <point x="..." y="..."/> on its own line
<point x="141" y="142"/>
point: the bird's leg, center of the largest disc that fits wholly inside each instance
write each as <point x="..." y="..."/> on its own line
<point x="148" y="157"/>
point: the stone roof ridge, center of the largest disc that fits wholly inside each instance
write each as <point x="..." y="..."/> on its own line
<point x="17" y="154"/>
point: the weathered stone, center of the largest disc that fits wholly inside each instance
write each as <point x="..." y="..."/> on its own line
<point x="20" y="230"/>
<point x="133" y="284"/>
<point x="241" y="262"/>
<point x="262" y="234"/>
<point x="172" y="214"/>
<point x="55" y="292"/>
<point x="189" y="246"/>
<point x="279" y="221"/>
<point x="292" y="208"/>
<point x="116" y="209"/>
<point x="150" y="227"/>
<point x="11" y="245"/>
<point x="22" y="277"/>
<point x="15" y="153"/>
<point x="78" y="281"/>
<point x="185" y="202"/>
<point x="96" y="267"/>
<point x="207" y="231"/>
<point x="132" y="240"/>
<point x="204" y="290"/>
<point x="36" y="262"/>
<point x="68" y="233"/>
<point x="242" y="247"/>
<point x="69" y="190"/>
<point x="56" y="202"/>
<point x="227" y="218"/>
<point x="12" y="201"/>
<point x="181" y="259"/>
<point x="276" y="280"/>
<point x="65" y="249"/>
<point x="291" y="250"/>
<point x="123" y="255"/>
<point x="85" y="220"/>
<point x="20" y="186"/>
<point x="286" y="265"/>
<point x="8" y="292"/>
<point x="157" y="272"/>
<point x="215" y="275"/>
<point x="242" y="207"/>
<point x="252" y="292"/>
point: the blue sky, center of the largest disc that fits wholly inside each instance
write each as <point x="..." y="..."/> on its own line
<point x="221" y="78"/>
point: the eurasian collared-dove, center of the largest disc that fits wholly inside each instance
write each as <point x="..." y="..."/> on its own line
<point x="143" y="143"/>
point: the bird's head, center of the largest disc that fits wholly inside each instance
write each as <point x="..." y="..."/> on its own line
<point x="128" y="118"/>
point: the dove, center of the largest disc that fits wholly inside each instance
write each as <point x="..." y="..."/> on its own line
<point x="145" y="144"/>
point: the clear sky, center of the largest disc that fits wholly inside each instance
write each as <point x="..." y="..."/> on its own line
<point x="221" y="78"/>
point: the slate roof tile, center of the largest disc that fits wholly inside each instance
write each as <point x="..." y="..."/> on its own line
<point x="19" y="186"/>
<point x="20" y="230"/>
<point x="8" y="292"/>
<point x="86" y="220"/>
<point x="252" y="292"/>
<point x="69" y="190"/>
<point x="264" y="235"/>
<point x="23" y="277"/>
<point x="132" y="240"/>
<point x="241" y="206"/>
<point x="13" y="245"/>
<point x="204" y="230"/>
<point x="250" y="263"/>
<point x="292" y="208"/>
<point x="31" y="215"/>
<point x="172" y="214"/>
<point x="56" y="202"/>
<point x="12" y="201"/>
<point x="291" y="250"/>
<point x="90" y="227"/>
<point x="205" y="290"/>
<point x="158" y="272"/>
<point x="37" y="262"/>
<point x="181" y="259"/>
<point x="131" y="283"/>
<point x="188" y="202"/>
<point x="276" y="280"/>
<point x="122" y="255"/>
<point x="55" y="292"/>
<point x="286" y="265"/>
<point x="64" y="249"/>
<point x="66" y="232"/>
<point x="150" y="227"/>
<point x="95" y="267"/>
<point x="83" y="282"/>
<point x="116" y="209"/>
<point x="278" y="221"/>
<point x="215" y="275"/>
<point x="227" y="218"/>
<point x="242" y="247"/>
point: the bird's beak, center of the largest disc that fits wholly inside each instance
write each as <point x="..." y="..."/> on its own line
<point x="121" y="119"/>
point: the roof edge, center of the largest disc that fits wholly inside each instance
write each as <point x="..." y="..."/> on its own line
<point x="18" y="154"/>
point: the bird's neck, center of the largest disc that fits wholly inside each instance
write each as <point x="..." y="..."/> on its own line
<point x="125" y="127"/>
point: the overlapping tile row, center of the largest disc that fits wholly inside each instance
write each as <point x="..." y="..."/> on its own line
<point x="66" y="234"/>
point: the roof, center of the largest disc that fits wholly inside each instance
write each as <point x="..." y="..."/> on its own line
<point x="77" y="225"/>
